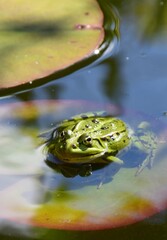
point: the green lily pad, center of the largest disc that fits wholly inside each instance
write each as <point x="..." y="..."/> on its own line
<point x="111" y="197"/>
<point x="39" y="38"/>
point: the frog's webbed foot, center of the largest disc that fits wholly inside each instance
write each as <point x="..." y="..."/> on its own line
<point x="147" y="162"/>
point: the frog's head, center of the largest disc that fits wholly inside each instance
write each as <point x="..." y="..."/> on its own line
<point x="80" y="149"/>
<point x="89" y="147"/>
<point x="88" y="140"/>
<point x="73" y="148"/>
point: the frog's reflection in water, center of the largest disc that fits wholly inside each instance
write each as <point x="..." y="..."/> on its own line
<point x="94" y="173"/>
<point x="90" y="173"/>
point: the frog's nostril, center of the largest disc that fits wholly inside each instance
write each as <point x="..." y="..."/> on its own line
<point x="74" y="146"/>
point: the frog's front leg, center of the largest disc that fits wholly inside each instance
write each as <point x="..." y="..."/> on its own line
<point x="146" y="141"/>
<point x="114" y="159"/>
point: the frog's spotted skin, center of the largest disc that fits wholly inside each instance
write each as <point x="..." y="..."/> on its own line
<point x="91" y="137"/>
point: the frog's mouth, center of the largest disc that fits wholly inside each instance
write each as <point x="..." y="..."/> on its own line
<point x="84" y="156"/>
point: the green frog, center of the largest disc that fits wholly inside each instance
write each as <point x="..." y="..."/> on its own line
<point x="92" y="137"/>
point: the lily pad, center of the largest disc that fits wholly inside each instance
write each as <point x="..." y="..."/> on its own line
<point x="39" y="38"/>
<point x="111" y="197"/>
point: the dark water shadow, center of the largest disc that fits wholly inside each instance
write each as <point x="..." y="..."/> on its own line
<point x="77" y="176"/>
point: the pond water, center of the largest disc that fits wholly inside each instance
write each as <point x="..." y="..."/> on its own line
<point x="131" y="78"/>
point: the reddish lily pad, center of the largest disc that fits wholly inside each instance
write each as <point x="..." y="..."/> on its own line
<point x="39" y="38"/>
<point x="81" y="203"/>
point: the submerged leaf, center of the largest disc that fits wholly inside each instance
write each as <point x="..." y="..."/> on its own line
<point x="41" y="196"/>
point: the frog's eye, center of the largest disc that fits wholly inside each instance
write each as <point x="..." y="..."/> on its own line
<point x="87" y="141"/>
